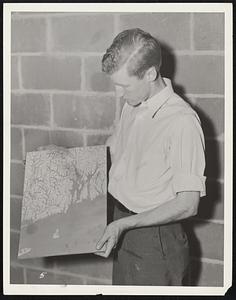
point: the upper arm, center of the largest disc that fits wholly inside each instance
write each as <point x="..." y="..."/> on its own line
<point x="187" y="158"/>
<point x="190" y="201"/>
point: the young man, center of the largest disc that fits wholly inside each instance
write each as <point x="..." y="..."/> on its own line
<point x="157" y="169"/>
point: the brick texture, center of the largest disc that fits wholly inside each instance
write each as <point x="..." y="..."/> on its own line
<point x="197" y="74"/>
<point x="41" y="72"/>
<point x="14" y="73"/>
<point x="16" y="275"/>
<point x="17" y="178"/>
<point x="214" y="159"/>
<point x="35" y="138"/>
<point x="66" y="139"/>
<point x="172" y="29"/>
<point x="28" y="35"/>
<point x="96" y="80"/>
<point x="206" y="240"/>
<point x="95" y="281"/>
<point x="206" y="274"/>
<point x="82" y="32"/>
<point x="14" y="245"/>
<point x="97" y="139"/>
<point x="211" y="113"/>
<point x="30" y="109"/>
<point x="59" y="56"/>
<point x="209" y="31"/>
<point x="47" y="277"/>
<point x="92" y="112"/>
<point x="15" y="209"/>
<point x="16" y="143"/>
<point x="212" y="205"/>
<point x="84" y="265"/>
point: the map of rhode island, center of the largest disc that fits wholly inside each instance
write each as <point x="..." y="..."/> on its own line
<point x="64" y="203"/>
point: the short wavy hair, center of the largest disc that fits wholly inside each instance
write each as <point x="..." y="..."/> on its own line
<point x="139" y="49"/>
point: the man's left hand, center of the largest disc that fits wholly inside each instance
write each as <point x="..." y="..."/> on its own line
<point x="110" y="238"/>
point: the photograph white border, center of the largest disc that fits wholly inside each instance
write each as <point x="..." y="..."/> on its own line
<point x="29" y="289"/>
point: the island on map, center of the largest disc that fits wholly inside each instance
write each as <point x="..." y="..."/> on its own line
<point x="64" y="202"/>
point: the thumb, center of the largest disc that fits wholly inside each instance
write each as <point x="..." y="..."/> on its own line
<point x="101" y="242"/>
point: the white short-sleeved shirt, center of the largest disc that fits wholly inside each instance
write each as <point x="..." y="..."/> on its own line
<point x="157" y="151"/>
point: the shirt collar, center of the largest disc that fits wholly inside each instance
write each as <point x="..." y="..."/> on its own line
<point x="154" y="103"/>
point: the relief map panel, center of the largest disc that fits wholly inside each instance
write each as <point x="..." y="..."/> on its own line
<point x="64" y="202"/>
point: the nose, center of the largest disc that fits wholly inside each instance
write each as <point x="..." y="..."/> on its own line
<point x="119" y="91"/>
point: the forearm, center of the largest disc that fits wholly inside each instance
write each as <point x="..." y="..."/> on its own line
<point x="177" y="209"/>
<point x="183" y="206"/>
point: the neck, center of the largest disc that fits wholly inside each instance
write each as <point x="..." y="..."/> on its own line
<point x="157" y="86"/>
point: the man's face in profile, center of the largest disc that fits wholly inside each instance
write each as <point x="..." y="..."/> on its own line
<point x="131" y="88"/>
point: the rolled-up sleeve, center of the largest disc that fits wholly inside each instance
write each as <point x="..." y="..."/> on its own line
<point x="187" y="155"/>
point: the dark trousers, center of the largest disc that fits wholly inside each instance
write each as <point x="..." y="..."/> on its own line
<point x="155" y="255"/>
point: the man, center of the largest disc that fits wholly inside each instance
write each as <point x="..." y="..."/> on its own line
<point x="156" y="176"/>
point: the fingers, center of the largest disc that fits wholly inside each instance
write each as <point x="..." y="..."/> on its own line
<point x="102" y="241"/>
<point x="110" y="245"/>
<point x="108" y="241"/>
<point x="107" y="250"/>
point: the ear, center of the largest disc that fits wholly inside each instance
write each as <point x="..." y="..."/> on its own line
<point x="151" y="74"/>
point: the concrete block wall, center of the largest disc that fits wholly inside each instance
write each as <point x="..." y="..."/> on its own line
<point x="60" y="96"/>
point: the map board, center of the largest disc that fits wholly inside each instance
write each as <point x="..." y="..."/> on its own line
<point x="64" y="202"/>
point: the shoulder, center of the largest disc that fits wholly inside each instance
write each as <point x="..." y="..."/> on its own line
<point x="183" y="116"/>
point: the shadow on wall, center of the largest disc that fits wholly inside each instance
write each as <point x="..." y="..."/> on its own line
<point x="214" y="192"/>
<point x="168" y="69"/>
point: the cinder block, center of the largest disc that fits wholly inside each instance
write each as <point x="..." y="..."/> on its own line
<point x="214" y="159"/>
<point x="16" y="275"/>
<point x="96" y="281"/>
<point x="206" y="274"/>
<point x="15" y="209"/>
<point x="211" y="113"/>
<point x="47" y="277"/>
<point x="66" y="139"/>
<point x="96" y="80"/>
<point x="14" y="246"/>
<point x="40" y="277"/>
<point x="16" y="143"/>
<point x="48" y="72"/>
<point x="39" y="262"/>
<point x="35" y="138"/>
<point x="203" y="74"/>
<point x="28" y="35"/>
<point x="171" y="29"/>
<point x="206" y="239"/>
<point x="99" y="139"/>
<point x="209" y="31"/>
<point x="14" y="73"/>
<point x="82" y="32"/>
<point x="92" y="112"/>
<point x="86" y="265"/>
<point x="17" y="178"/>
<point x="30" y="109"/>
<point x="212" y="205"/>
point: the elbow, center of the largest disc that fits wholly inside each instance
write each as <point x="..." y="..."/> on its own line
<point x="190" y="202"/>
<point x="193" y="209"/>
<point x="192" y="212"/>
